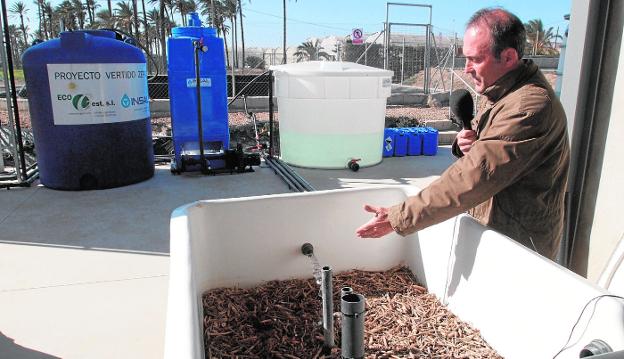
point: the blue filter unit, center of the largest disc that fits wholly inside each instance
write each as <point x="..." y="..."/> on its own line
<point x="388" y="142"/>
<point x="183" y="93"/>
<point x="89" y="109"/>
<point x="414" y="143"/>
<point x="430" y="141"/>
<point x="400" y="142"/>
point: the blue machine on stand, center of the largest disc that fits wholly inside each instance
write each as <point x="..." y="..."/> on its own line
<point x="198" y="95"/>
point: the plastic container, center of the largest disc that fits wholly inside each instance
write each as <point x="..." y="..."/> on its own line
<point x="183" y="91"/>
<point x="523" y="305"/>
<point x="89" y="109"/>
<point x="430" y="141"/>
<point x="388" y="142"/>
<point x="414" y="142"/>
<point x="400" y="142"/>
<point x="331" y="112"/>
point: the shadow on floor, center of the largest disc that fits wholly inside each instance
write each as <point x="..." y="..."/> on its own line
<point x="8" y="349"/>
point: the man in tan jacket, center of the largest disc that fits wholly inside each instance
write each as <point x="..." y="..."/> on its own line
<point x="512" y="169"/>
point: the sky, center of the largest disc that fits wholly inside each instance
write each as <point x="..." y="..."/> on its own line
<point x="320" y="18"/>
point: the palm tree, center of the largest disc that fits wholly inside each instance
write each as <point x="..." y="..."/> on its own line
<point x="91" y="5"/>
<point x="42" y="24"/>
<point x="104" y="20"/>
<point x="20" y="10"/>
<point x="47" y="10"/>
<point x="240" y="11"/>
<point x="311" y="51"/>
<point x="124" y="16"/>
<point x="539" y="39"/>
<point x="79" y="9"/>
<point x="65" y="12"/>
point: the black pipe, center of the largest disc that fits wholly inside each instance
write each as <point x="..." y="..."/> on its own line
<point x="352" y="342"/>
<point x="270" y="113"/>
<point x="11" y="90"/>
<point x="304" y="183"/>
<point x="292" y="183"/>
<point x="202" y="157"/>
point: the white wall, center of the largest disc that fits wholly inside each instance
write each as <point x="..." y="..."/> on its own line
<point x="574" y="60"/>
<point x="608" y="224"/>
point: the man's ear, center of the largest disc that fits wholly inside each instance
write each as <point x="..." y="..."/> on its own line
<point x="509" y="57"/>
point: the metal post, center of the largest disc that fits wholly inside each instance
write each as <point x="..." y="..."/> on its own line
<point x="233" y="59"/>
<point x="403" y="60"/>
<point x="10" y="90"/>
<point x="427" y="63"/>
<point x="366" y="53"/>
<point x="271" y="114"/>
<point x="452" y="72"/>
<point x="328" y="307"/>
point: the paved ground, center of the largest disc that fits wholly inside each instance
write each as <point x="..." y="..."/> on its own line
<point x="84" y="274"/>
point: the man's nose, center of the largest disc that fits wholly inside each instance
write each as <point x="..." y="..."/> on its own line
<point x="468" y="67"/>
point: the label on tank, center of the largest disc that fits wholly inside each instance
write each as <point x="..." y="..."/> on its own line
<point x="85" y="94"/>
<point x="203" y="82"/>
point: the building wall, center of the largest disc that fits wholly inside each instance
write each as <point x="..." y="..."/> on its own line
<point x="608" y="225"/>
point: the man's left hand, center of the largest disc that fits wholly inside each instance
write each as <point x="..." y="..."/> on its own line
<point x="378" y="226"/>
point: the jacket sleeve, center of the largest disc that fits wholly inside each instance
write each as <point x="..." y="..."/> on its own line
<point x="511" y="149"/>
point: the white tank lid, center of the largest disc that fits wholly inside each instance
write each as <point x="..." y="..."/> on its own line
<point x="329" y="68"/>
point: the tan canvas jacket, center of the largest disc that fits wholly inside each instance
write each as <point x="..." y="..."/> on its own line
<point x="514" y="177"/>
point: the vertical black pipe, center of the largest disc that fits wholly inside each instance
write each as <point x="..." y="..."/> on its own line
<point x="352" y="341"/>
<point x="11" y="90"/>
<point x="270" y="113"/>
<point x="202" y="157"/>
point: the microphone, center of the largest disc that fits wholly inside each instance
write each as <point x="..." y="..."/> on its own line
<point x="462" y="106"/>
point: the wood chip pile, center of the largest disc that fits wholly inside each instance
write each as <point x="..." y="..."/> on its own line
<point x="281" y="319"/>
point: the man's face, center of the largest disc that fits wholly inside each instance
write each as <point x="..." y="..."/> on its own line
<point x="481" y="64"/>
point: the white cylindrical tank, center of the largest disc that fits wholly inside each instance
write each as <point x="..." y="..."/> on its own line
<point x="331" y="113"/>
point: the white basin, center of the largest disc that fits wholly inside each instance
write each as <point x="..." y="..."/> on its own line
<point x="524" y="304"/>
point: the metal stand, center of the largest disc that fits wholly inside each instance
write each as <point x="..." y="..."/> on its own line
<point x="11" y="139"/>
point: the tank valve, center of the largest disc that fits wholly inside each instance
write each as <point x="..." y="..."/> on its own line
<point x="353" y="164"/>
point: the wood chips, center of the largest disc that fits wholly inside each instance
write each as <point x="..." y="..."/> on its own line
<point x="281" y="319"/>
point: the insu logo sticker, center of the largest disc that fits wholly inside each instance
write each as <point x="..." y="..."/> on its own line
<point x="81" y="102"/>
<point x="125" y="101"/>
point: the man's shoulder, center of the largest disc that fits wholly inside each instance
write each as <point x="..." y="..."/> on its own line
<point x="530" y="97"/>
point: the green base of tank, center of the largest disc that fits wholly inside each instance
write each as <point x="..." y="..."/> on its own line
<point x="330" y="151"/>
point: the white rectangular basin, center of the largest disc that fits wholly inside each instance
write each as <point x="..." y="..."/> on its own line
<point x="524" y="304"/>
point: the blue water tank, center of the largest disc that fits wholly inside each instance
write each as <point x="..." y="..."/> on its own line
<point x="430" y="141"/>
<point x="89" y="109"/>
<point x="400" y="143"/>
<point x="183" y="95"/>
<point x="414" y="142"/>
<point x="388" y="142"/>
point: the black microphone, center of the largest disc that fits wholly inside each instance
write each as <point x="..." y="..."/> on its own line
<point x="462" y="106"/>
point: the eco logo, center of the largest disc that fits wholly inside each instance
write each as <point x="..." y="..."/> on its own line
<point x="81" y="102"/>
<point x="125" y="101"/>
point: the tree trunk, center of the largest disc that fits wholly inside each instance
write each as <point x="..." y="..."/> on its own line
<point x="227" y="57"/>
<point x="135" y="13"/>
<point x="147" y="42"/>
<point x="284" y="33"/>
<point x="24" y="31"/>
<point x="163" y="44"/>
<point x="110" y="9"/>
<point x="240" y="11"/>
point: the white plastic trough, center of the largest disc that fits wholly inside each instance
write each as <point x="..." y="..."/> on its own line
<point x="524" y="305"/>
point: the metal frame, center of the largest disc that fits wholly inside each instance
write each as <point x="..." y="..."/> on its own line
<point x="22" y="175"/>
<point x="388" y="33"/>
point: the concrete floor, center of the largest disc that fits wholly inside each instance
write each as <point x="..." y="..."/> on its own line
<point x="85" y="274"/>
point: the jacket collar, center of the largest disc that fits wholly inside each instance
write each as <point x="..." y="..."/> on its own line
<point x="503" y="85"/>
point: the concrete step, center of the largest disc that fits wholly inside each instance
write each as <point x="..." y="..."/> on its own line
<point x="446" y="137"/>
<point x="440" y="125"/>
